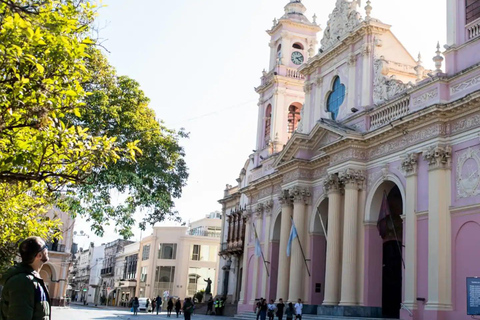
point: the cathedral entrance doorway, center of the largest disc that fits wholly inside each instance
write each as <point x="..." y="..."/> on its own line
<point x="385" y="250"/>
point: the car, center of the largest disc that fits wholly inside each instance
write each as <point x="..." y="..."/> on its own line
<point x="143" y="304"/>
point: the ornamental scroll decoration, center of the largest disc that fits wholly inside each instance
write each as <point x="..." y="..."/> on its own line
<point x="409" y="164"/>
<point x="438" y="156"/>
<point x="344" y="19"/>
<point x="468" y="176"/>
<point x="385" y="87"/>
<point x="332" y="183"/>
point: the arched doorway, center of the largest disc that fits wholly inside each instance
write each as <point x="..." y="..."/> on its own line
<point x="392" y="256"/>
<point x="47" y="275"/>
<point x="384" y="238"/>
<point x="318" y="241"/>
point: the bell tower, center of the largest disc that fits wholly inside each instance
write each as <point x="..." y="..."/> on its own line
<point x="292" y="42"/>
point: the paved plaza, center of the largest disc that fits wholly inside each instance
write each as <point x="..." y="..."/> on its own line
<point x="76" y="312"/>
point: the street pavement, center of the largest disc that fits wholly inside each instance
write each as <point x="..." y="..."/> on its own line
<point x="77" y="312"/>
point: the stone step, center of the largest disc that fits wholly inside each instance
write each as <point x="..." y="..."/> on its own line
<point x="252" y="315"/>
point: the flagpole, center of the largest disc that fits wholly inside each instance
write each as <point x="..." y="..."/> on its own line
<point x="301" y="249"/>
<point x="323" y="225"/>
<point x="261" y="251"/>
<point x="395" y="232"/>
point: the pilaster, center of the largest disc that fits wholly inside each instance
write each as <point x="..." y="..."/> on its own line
<point x="257" y="260"/>
<point x="333" y="187"/>
<point x="243" y="293"/>
<point x="353" y="180"/>
<point x="409" y="167"/>
<point x="297" y="262"/>
<point x="439" y="228"/>
<point x="267" y="207"/>
<point x="283" y="259"/>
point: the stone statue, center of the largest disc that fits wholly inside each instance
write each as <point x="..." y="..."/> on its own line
<point x="208" y="289"/>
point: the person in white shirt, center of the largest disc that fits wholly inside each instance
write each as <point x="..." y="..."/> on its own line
<point x="271" y="309"/>
<point x="298" y="309"/>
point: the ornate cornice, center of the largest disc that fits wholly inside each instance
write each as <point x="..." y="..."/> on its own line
<point x="352" y="178"/>
<point x="438" y="157"/>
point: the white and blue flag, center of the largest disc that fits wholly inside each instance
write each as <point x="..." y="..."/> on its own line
<point x="293" y="235"/>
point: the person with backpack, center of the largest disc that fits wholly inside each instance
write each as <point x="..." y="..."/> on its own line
<point x="135" y="306"/>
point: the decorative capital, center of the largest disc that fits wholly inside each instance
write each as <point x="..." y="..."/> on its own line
<point x="438" y="157"/>
<point x="409" y="164"/>
<point x="285" y="198"/>
<point x="300" y="194"/>
<point x="352" y="179"/>
<point x="319" y="81"/>
<point x="259" y="209"/>
<point x="332" y="183"/>
<point x="267" y="206"/>
<point x="307" y="87"/>
<point x="366" y="49"/>
<point x="352" y="60"/>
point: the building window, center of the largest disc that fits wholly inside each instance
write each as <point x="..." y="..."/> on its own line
<point x="293" y="118"/>
<point x="472" y="10"/>
<point x="143" y="275"/>
<point x="298" y="45"/>
<point x="167" y="251"/>
<point x="196" y="252"/>
<point x="146" y="252"/>
<point x="336" y="97"/>
<point x="164" y="279"/>
<point x="268" y="122"/>
<point x="130" y="268"/>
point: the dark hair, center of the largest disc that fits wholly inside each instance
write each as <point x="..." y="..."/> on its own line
<point x="29" y="248"/>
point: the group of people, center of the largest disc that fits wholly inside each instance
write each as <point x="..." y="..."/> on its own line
<point x="218" y="304"/>
<point x="156" y="304"/>
<point x="264" y="309"/>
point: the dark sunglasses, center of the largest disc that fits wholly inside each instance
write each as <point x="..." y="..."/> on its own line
<point x="43" y="248"/>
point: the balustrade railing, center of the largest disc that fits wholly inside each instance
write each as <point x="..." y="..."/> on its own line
<point x="293" y="73"/>
<point x="473" y="29"/>
<point x="389" y="112"/>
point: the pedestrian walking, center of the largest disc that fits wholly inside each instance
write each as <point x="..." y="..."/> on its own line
<point x="135" y="306"/>
<point x="188" y="308"/>
<point x="298" y="309"/>
<point x="159" y="303"/>
<point x="209" y="306"/>
<point x="290" y="311"/>
<point x="154" y="304"/>
<point x="280" y="309"/>
<point x="178" y="307"/>
<point x="271" y="309"/>
<point x="263" y="309"/>
<point x="147" y="303"/>
<point x="258" y="307"/>
<point x="24" y="294"/>
<point x="217" y="304"/>
<point x="169" y="307"/>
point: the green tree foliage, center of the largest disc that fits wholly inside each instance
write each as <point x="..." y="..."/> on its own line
<point x="71" y="130"/>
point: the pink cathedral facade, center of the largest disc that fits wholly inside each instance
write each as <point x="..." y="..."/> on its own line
<point x="343" y="128"/>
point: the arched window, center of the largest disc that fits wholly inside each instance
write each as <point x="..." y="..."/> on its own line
<point x="293" y="118"/>
<point x="298" y="45"/>
<point x="336" y="97"/>
<point x="472" y="10"/>
<point x="268" y="122"/>
<point x="279" y="51"/>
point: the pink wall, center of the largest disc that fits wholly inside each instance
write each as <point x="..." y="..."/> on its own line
<point x="318" y="259"/>
<point x="422" y="263"/>
<point x="465" y="259"/>
<point x="458" y="151"/>
<point x="248" y="284"/>
<point x="372" y="291"/>
<point x="422" y="186"/>
<point x="272" y="284"/>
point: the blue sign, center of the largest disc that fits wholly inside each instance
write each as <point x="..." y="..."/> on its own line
<point x="473" y="296"/>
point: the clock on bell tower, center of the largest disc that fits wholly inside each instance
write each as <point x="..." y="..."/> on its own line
<point x="292" y="42"/>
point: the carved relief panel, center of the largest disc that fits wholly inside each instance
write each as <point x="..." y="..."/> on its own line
<point x="467" y="173"/>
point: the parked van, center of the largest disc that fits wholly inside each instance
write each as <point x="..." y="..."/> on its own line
<point x="143" y="304"/>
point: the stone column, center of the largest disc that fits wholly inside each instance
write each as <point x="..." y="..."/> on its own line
<point x="243" y="291"/>
<point x="257" y="261"/>
<point x="366" y="72"/>
<point x="283" y="259"/>
<point x="297" y="261"/>
<point x="439" y="229"/>
<point x="334" y="240"/>
<point x="353" y="180"/>
<point x="266" y="245"/>
<point x="409" y="166"/>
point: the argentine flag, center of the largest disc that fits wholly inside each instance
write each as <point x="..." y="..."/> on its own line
<point x="258" y="248"/>
<point x="293" y="235"/>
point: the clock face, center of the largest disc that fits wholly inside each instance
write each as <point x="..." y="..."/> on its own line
<point x="297" y="57"/>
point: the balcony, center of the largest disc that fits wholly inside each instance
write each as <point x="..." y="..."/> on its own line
<point x="473" y="29"/>
<point x="231" y="248"/>
<point x="389" y="112"/>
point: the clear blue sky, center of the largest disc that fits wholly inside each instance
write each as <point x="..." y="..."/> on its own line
<point x="199" y="60"/>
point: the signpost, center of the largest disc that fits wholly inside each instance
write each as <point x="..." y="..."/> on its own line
<point x="473" y="296"/>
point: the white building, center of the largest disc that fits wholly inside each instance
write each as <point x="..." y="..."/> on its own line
<point x="126" y="274"/>
<point x="179" y="259"/>
<point x="95" y="282"/>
